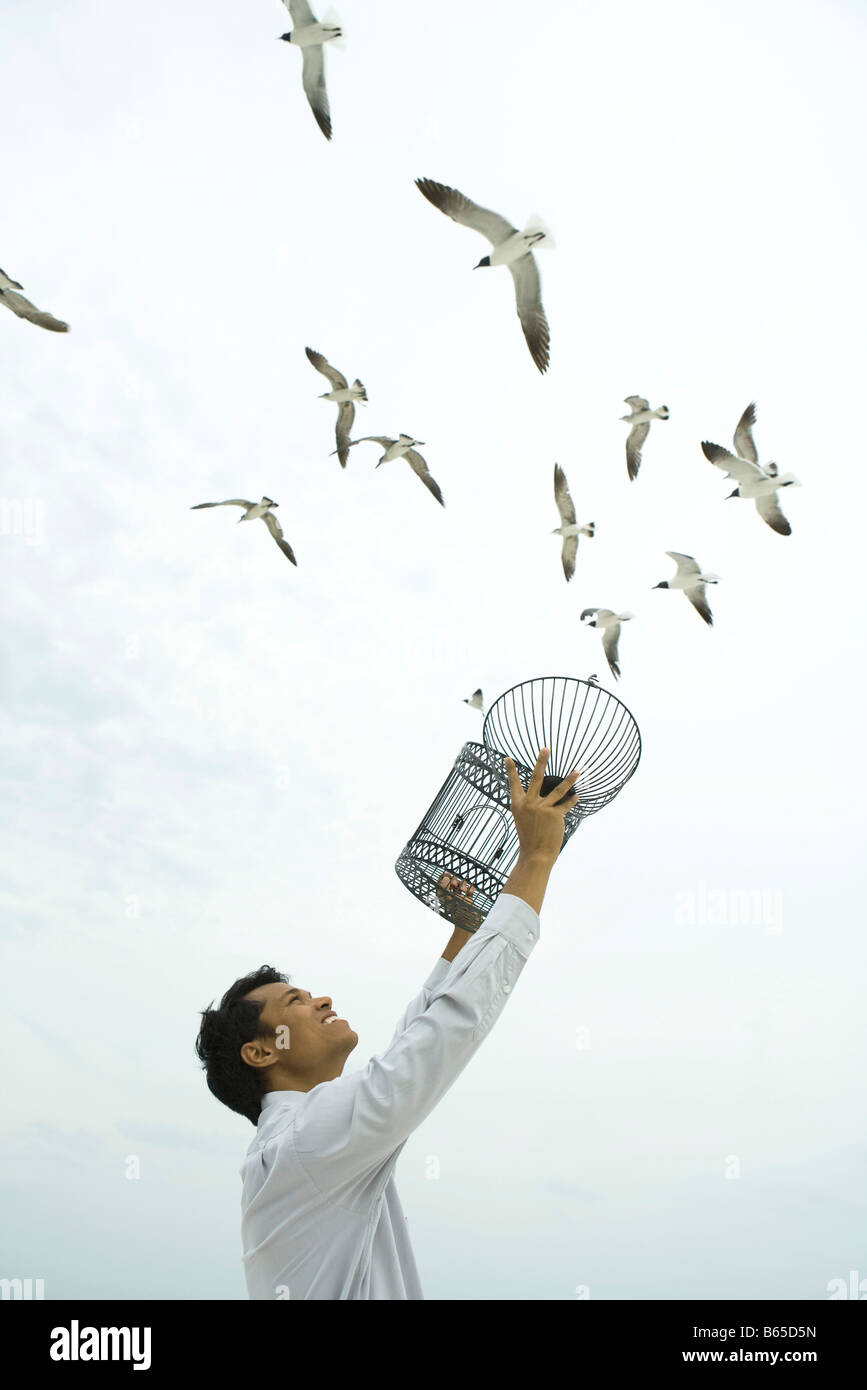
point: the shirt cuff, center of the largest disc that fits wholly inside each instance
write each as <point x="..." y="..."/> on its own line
<point x="514" y="919"/>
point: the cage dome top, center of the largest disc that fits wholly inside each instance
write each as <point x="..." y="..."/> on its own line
<point x="583" y="725"/>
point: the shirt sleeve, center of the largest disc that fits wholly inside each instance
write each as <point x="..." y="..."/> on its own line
<point x="418" y="1005"/>
<point x="350" y="1125"/>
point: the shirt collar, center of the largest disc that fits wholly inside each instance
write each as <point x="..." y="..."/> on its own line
<point x="272" y="1099"/>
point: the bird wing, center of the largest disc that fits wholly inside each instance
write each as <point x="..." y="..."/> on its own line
<point x="741" y="469"/>
<point x="276" y="530"/>
<point x="337" y="379"/>
<point x="232" y="502"/>
<point x="637" y="403"/>
<point x="562" y="497"/>
<point x="313" y="78"/>
<point x="301" y="12"/>
<point x="685" y="563"/>
<point x="745" y="446"/>
<point x="528" y="296"/>
<point x="345" y="420"/>
<point x="610" y="638"/>
<point x="25" y="310"/>
<point x="419" y="467"/>
<point x="459" y="208"/>
<point x="634" y="442"/>
<point x="570" y="550"/>
<point x="768" y="508"/>
<point x="698" y="599"/>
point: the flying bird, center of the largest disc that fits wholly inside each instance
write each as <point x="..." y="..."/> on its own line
<point x="475" y="700"/>
<point x="754" y="481"/>
<point x="690" y="579"/>
<point x="252" y="511"/>
<point x="610" y="624"/>
<point x="593" y="680"/>
<point x="402" y="447"/>
<point x="344" y="396"/>
<point x="511" y="248"/>
<point x="24" y="309"/>
<point x="640" y="421"/>
<point x="309" y="35"/>
<point x="568" y="528"/>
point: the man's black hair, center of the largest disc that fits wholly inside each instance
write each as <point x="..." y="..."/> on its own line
<point x="223" y="1031"/>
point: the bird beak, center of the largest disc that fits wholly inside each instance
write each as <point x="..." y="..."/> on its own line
<point x="731" y="495"/>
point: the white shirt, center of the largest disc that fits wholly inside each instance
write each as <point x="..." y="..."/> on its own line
<point x="321" y="1217"/>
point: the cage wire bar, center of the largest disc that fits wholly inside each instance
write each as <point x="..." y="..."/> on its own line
<point x="469" y="832"/>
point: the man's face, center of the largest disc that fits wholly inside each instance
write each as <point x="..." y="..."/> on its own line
<point x="299" y="1042"/>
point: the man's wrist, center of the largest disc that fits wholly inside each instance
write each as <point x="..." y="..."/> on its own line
<point x="537" y="858"/>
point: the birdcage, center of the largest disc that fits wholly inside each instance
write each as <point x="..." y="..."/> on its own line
<point x="469" y="831"/>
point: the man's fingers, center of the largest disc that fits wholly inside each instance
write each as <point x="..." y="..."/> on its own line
<point x="561" y="787"/>
<point x="539" y="770"/>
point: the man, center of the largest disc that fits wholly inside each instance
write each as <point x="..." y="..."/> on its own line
<point x="321" y="1218"/>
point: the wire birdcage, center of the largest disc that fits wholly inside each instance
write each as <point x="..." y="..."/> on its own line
<point x="469" y="831"/>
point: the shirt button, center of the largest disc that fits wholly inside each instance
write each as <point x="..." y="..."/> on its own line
<point x="506" y="989"/>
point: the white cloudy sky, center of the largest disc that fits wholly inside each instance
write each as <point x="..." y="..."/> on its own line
<point x="213" y="760"/>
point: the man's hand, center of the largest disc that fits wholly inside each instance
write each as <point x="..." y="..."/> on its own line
<point x="539" y="823"/>
<point x="538" y="819"/>
<point x="456" y="900"/>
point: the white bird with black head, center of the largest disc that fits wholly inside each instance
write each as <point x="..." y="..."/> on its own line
<point x="512" y="248"/>
<point x="755" y="482"/>
<point x="568" y="528"/>
<point x="24" y="309"/>
<point x="344" y="397"/>
<point x="310" y="35"/>
<point x="609" y="622"/>
<point x="639" y="419"/>
<point x="690" y="579"/>
<point x="252" y="511"/>
<point x="403" y="447"/>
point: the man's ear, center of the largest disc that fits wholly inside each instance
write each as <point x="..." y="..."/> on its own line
<point x="258" y="1053"/>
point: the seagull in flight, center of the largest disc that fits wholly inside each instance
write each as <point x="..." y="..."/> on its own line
<point x="344" y="396"/>
<point x="24" y="309"/>
<point x="511" y="248"/>
<point x="309" y="35"/>
<point x="760" y="484"/>
<point x="640" y="421"/>
<point x="690" y="579"/>
<point x="568" y="528"/>
<point x="475" y="700"/>
<point x="252" y="510"/>
<point x="593" y="680"/>
<point x="610" y="624"/>
<point x="403" y="447"/>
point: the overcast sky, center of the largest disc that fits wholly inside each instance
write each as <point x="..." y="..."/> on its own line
<point x="213" y="759"/>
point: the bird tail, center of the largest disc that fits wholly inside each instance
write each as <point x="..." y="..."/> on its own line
<point x="535" y="224"/>
<point x="359" y="386"/>
<point x="331" y="20"/>
<point x="589" y="529"/>
<point x="622" y="617"/>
